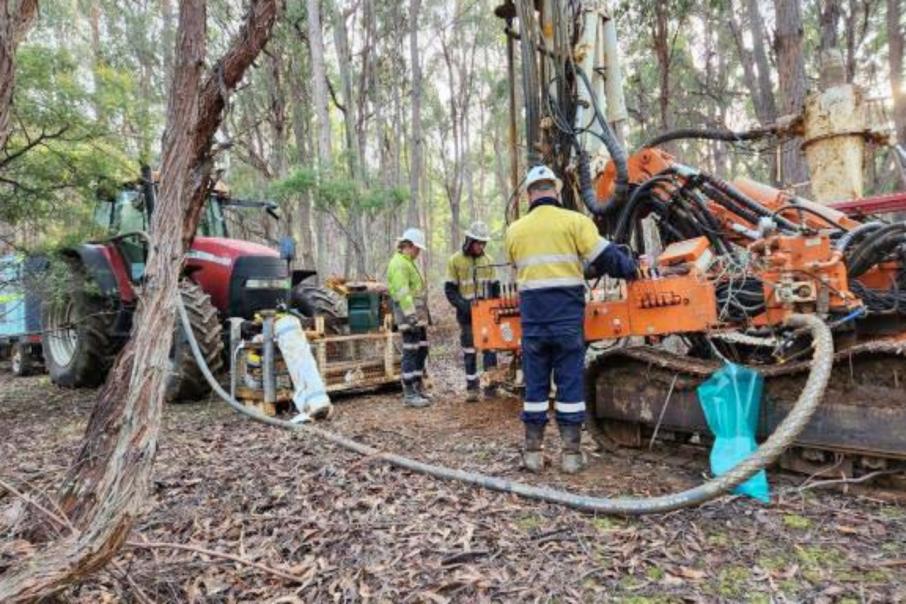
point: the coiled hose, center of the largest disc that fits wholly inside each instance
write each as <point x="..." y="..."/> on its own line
<point x="782" y="437"/>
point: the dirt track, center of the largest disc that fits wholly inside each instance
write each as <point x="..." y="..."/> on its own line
<point x="352" y="529"/>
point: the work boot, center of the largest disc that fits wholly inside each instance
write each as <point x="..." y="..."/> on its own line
<point x="472" y="395"/>
<point x="532" y="456"/>
<point x="411" y="397"/>
<point x="571" y="461"/>
<point x="422" y="391"/>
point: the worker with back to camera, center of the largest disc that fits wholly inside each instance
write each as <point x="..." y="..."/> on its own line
<point x="410" y="313"/>
<point x="470" y="276"/>
<point x="553" y="249"/>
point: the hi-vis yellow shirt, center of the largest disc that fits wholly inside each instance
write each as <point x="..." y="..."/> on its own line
<point x="470" y="274"/>
<point x="550" y="245"/>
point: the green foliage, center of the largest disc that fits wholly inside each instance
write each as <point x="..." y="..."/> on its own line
<point x="338" y="192"/>
<point x="58" y="156"/>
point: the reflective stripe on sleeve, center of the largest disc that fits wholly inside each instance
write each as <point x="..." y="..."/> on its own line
<point x="468" y="351"/>
<point x="535" y="407"/>
<point x="547" y="259"/>
<point x="555" y="282"/>
<point x="570" y="407"/>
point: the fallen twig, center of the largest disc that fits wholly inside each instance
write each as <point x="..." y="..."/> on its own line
<point x="140" y="595"/>
<point x="216" y="554"/>
<point x="62" y="521"/>
<point x="836" y="481"/>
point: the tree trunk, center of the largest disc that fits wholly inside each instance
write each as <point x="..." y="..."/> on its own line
<point x="791" y="74"/>
<point x="355" y="241"/>
<point x="16" y="18"/>
<point x="895" y="60"/>
<point x="661" y="43"/>
<point x="319" y="84"/>
<point x="106" y="488"/>
<point x="320" y="100"/>
<point x="301" y="219"/>
<point x="830" y="15"/>
<point x="415" y="144"/>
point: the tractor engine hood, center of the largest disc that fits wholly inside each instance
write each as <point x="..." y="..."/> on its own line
<point x="240" y="276"/>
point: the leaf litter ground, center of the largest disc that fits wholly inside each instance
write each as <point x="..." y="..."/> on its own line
<point x="348" y="528"/>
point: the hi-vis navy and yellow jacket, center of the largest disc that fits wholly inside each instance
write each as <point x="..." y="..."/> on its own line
<point x="550" y="248"/>
<point x="468" y="277"/>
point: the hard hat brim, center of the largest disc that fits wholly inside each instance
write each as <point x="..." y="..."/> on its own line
<point x="475" y="237"/>
<point x="416" y="244"/>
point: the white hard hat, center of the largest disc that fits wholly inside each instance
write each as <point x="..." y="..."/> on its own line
<point x="539" y="173"/>
<point x="479" y="231"/>
<point x="414" y="236"/>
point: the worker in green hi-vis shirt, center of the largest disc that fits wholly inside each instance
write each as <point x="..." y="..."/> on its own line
<point x="410" y="312"/>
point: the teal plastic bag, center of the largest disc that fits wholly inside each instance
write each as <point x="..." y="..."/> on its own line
<point x="730" y="400"/>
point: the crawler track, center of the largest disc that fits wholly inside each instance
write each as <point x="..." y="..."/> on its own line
<point x="859" y="429"/>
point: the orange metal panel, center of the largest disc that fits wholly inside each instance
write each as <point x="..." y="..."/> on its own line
<point x="677" y="304"/>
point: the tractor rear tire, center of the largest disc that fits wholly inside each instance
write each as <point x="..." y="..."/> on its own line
<point x="185" y="381"/>
<point x="314" y="301"/>
<point x="20" y="359"/>
<point x="77" y="344"/>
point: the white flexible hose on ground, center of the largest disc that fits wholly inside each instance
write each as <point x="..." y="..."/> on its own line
<point x="767" y="453"/>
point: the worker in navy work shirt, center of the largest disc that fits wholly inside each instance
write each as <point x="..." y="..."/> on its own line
<point x="552" y="248"/>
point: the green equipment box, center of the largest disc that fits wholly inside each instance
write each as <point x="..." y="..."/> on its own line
<point x="364" y="311"/>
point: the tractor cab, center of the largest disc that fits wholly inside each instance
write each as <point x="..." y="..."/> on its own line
<point x="240" y="276"/>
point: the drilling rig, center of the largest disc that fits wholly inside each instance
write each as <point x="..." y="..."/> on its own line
<point x="734" y="260"/>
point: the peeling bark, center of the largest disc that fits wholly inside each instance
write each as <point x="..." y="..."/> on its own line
<point x="106" y="488"/>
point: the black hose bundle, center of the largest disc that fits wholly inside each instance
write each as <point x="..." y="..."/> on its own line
<point x="742" y="300"/>
<point x="875" y="249"/>
<point x="616" y="150"/>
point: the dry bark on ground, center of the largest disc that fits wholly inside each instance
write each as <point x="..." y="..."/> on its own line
<point x="348" y="528"/>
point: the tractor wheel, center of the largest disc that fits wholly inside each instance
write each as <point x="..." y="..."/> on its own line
<point x="77" y="344"/>
<point x="20" y="359"/>
<point x="185" y="381"/>
<point x="313" y="301"/>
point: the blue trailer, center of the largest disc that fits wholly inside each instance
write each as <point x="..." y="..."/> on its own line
<point x="20" y="313"/>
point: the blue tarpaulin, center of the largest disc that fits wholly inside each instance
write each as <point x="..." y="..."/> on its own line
<point x="730" y="400"/>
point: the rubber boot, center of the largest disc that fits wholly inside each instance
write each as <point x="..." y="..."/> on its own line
<point x="532" y="456"/>
<point x="473" y="395"/>
<point x="411" y="397"/>
<point x="571" y="461"/>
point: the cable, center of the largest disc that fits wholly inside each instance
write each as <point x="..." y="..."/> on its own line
<point x="767" y="453"/>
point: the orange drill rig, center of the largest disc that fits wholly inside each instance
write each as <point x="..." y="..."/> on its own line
<point x="733" y="261"/>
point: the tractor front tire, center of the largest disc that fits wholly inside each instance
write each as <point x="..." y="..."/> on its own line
<point x="77" y="344"/>
<point x="185" y="381"/>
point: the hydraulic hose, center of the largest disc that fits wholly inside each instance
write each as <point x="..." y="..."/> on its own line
<point x="586" y="187"/>
<point x="783" y="436"/>
<point x="853" y="234"/>
<point x="709" y="134"/>
<point x="616" y="150"/>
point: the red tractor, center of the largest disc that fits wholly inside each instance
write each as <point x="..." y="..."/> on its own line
<point x="86" y="326"/>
